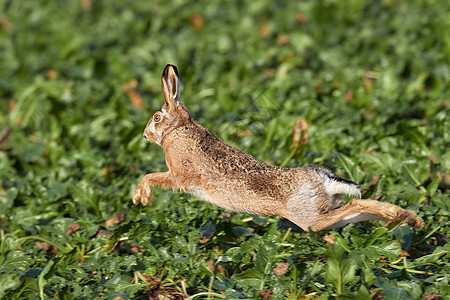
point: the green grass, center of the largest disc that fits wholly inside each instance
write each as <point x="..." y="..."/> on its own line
<point x="372" y="81"/>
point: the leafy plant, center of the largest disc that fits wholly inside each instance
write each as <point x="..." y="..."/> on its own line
<point x="361" y="88"/>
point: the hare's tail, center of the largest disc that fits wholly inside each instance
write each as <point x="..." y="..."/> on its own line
<point x="335" y="185"/>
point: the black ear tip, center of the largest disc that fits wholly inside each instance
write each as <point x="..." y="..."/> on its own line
<point x="168" y="68"/>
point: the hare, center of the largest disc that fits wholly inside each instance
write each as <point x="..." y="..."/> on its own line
<point x="201" y="164"/>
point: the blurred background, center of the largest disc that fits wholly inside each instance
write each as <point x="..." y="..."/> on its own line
<point x="360" y="87"/>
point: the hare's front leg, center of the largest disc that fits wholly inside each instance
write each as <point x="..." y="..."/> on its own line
<point x="358" y="210"/>
<point x="143" y="191"/>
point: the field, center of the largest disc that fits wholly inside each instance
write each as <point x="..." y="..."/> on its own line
<point x="361" y="88"/>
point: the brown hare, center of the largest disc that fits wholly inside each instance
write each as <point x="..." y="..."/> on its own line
<point x="201" y="164"/>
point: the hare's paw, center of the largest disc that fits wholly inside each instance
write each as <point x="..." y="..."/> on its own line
<point x="142" y="193"/>
<point x="411" y="219"/>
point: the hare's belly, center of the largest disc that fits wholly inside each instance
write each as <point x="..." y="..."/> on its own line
<point x="237" y="200"/>
<point x="199" y="192"/>
<point x="224" y="199"/>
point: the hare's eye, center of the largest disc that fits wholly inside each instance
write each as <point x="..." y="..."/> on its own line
<point x="157" y="118"/>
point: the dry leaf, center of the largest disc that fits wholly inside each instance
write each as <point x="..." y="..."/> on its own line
<point x="266" y="294"/>
<point x="130" y="88"/>
<point x="329" y="239"/>
<point x="375" y="179"/>
<point x="72" y="228"/>
<point x="404" y="253"/>
<point x="5" y="22"/>
<point x="319" y="89"/>
<point x="135" y="248"/>
<point x="270" y="72"/>
<point x="107" y="170"/>
<point x="136" y="99"/>
<point x="86" y="4"/>
<point x="52" y="74"/>
<point x="156" y="290"/>
<point x="444" y="178"/>
<point x="11" y="104"/>
<point x="432" y="296"/>
<point x="281" y="268"/>
<point x="349" y="96"/>
<point x="131" y="85"/>
<point x="116" y="219"/>
<point x="196" y="21"/>
<point x="47" y="247"/>
<point x="218" y="251"/>
<point x="214" y="268"/>
<point x="4" y="136"/>
<point x="377" y="197"/>
<point x="283" y="39"/>
<point x="203" y="240"/>
<point x="299" y="133"/>
<point x="368" y="79"/>
<point x="264" y="30"/>
<point x="43" y="245"/>
<point x="301" y="18"/>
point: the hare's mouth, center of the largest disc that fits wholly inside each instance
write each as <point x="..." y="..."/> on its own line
<point x="150" y="136"/>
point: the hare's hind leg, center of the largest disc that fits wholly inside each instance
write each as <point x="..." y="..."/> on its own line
<point x="358" y="210"/>
<point x="143" y="191"/>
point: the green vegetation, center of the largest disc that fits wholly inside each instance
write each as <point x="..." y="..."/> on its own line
<point x="79" y="80"/>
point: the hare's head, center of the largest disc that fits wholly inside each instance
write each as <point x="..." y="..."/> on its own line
<point x="172" y="114"/>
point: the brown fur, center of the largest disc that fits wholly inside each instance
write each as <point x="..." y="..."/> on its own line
<point x="205" y="166"/>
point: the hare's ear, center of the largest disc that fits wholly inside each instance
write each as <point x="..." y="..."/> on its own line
<point x="170" y="83"/>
